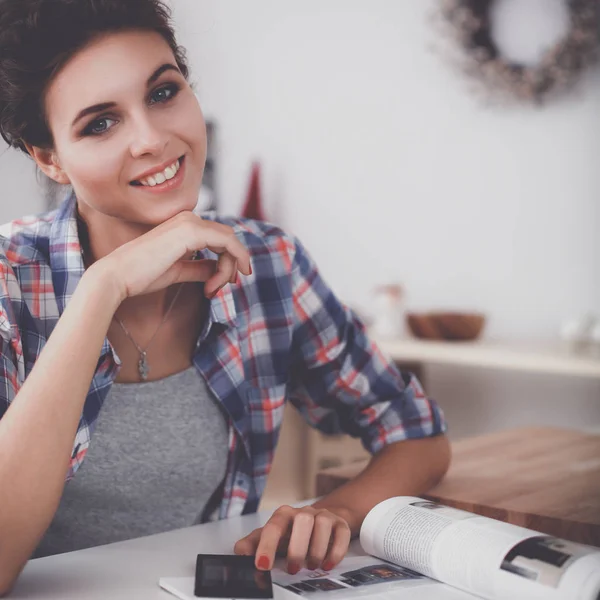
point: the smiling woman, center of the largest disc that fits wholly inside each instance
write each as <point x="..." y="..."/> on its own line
<point x="130" y="344"/>
<point x="134" y="121"/>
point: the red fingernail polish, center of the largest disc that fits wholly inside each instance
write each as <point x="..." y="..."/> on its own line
<point x="328" y="565"/>
<point x="293" y="568"/>
<point x="263" y="562"/>
<point x="211" y="296"/>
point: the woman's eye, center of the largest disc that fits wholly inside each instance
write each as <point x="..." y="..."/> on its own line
<point x="164" y="93"/>
<point x="98" y="127"/>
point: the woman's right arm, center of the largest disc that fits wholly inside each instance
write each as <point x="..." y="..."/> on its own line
<point x="38" y="429"/>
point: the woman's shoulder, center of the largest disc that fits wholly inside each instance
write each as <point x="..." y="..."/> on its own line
<point x="26" y="240"/>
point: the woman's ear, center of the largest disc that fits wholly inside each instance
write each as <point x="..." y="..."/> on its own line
<point x="48" y="162"/>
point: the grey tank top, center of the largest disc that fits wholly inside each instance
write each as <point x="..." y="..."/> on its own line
<point x="158" y="453"/>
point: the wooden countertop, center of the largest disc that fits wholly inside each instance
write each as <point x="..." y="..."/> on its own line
<point x="545" y="478"/>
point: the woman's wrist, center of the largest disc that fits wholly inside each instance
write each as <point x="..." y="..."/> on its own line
<point x="101" y="284"/>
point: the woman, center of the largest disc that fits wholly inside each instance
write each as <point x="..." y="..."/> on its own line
<point x="147" y="352"/>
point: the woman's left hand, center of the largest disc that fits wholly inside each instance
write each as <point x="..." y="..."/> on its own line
<point x="315" y="537"/>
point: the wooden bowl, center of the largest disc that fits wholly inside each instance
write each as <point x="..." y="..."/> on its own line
<point x="452" y="326"/>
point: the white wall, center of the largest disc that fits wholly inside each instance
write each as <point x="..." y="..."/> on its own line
<point x="372" y="147"/>
<point x="21" y="193"/>
<point x="375" y="153"/>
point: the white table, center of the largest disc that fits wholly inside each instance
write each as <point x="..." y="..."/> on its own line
<point x="131" y="570"/>
<point x="552" y="357"/>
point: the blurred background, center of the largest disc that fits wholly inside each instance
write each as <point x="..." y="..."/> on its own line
<point x="394" y="169"/>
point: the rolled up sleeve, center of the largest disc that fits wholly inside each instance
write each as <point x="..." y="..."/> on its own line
<point x="341" y="381"/>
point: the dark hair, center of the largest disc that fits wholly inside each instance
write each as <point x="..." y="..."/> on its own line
<point x="37" y="38"/>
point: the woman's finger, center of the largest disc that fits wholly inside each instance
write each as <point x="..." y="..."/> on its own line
<point x="302" y="530"/>
<point x="274" y="530"/>
<point x="220" y="243"/>
<point x="225" y="269"/>
<point x="195" y="270"/>
<point x="341" y="540"/>
<point x="234" y="275"/>
<point x="247" y="545"/>
<point x="321" y="537"/>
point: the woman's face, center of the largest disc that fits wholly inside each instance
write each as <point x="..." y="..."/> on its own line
<point x="150" y="119"/>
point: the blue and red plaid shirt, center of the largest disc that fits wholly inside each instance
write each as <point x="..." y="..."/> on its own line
<point x="278" y="335"/>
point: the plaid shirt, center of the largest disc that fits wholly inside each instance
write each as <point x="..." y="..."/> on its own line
<point x="278" y="335"/>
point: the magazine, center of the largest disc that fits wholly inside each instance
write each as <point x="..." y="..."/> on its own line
<point x="427" y="551"/>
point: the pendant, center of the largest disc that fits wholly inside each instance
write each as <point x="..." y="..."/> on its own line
<point x="143" y="366"/>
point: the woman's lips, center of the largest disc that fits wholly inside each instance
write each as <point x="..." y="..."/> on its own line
<point x="166" y="186"/>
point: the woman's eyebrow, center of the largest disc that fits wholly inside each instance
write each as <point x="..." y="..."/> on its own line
<point x="90" y="110"/>
<point x="96" y="108"/>
<point x="160" y="71"/>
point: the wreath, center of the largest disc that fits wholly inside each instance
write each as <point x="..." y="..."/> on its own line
<point x="560" y="67"/>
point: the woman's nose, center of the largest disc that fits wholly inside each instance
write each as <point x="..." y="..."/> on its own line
<point x="147" y="139"/>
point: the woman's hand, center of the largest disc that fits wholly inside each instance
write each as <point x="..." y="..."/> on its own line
<point x="160" y="257"/>
<point x="308" y="536"/>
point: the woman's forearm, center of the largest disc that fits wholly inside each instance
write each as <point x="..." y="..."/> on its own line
<point x="407" y="468"/>
<point x="38" y="429"/>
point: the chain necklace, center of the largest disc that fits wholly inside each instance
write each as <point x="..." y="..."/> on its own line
<point x="143" y="365"/>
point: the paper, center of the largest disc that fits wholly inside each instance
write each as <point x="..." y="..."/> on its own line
<point x="180" y="587"/>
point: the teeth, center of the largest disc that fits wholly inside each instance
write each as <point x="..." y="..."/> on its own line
<point x="159" y="178"/>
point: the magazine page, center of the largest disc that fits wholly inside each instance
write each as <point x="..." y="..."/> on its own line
<point x="362" y="577"/>
<point x="488" y="558"/>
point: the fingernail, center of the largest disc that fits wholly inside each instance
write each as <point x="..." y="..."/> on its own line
<point x="312" y="565"/>
<point x="211" y="296"/>
<point x="250" y="269"/>
<point x="263" y="562"/>
<point x="328" y="565"/>
<point x="293" y="568"/>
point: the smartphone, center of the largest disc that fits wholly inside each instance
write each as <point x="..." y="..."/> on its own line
<point x="230" y="576"/>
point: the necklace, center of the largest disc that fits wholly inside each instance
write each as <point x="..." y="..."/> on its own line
<point x="143" y="365"/>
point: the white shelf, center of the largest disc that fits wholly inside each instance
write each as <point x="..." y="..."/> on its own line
<point x="552" y="358"/>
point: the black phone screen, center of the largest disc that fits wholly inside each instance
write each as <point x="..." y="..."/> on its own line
<point x="230" y="576"/>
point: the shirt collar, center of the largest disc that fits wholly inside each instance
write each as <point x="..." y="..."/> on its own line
<point x="66" y="262"/>
<point x="222" y="308"/>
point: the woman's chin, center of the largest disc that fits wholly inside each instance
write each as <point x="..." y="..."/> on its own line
<point x="163" y="212"/>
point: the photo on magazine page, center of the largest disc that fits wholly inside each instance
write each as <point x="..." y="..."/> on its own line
<point x="543" y="559"/>
<point x="351" y="573"/>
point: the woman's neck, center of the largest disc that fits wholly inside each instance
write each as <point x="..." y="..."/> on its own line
<point x="101" y="234"/>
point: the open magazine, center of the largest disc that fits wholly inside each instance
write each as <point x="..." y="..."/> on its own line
<point x="430" y="551"/>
